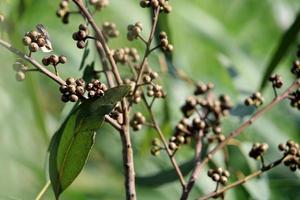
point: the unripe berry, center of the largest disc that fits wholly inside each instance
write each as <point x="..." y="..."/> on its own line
<point x="20" y="76"/>
<point x="62" y="59"/>
<point x="73" y="98"/>
<point x="33" y="47"/>
<point x="26" y="40"/>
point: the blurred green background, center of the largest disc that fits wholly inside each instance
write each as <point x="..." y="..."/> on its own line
<point x="229" y="43"/>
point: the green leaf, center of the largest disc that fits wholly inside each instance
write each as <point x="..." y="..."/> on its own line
<point x="71" y="144"/>
<point x="288" y="38"/>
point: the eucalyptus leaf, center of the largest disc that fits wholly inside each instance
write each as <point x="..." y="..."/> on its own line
<point x="71" y="144"/>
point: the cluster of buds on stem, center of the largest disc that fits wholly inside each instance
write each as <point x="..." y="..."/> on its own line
<point x="73" y="90"/>
<point x="137" y="121"/>
<point x="291" y="152"/>
<point x="109" y="30"/>
<point x="255" y="99"/>
<point x="134" y="31"/>
<point x="81" y="35"/>
<point x="276" y="80"/>
<point x="258" y="149"/>
<point x="36" y="40"/>
<point x="96" y="89"/>
<point x="99" y="4"/>
<point x="219" y="175"/>
<point x="20" y="67"/>
<point x="164" y="42"/>
<point x="295" y="99"/>
<point x="163" y="5"/>
<point x="126" y="55"/>
<point x="63" y="12"/>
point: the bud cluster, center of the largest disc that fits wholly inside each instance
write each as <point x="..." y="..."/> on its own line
<point x="258" y="149"/>
<point x="54" y="60"/>
<point x="63" y="11"/>
<point x="34" y="40"/>
<point x="137" y="121"/>
<point x="276" y="81"/>
<point x="164" y="42"/>
<point x="163" y="5"/>
<point x="156" y="147"/>
<point x="255" y="99"/>
<point x="134" y="31"/>
<point x="81" y="35"/>
<point x="295" y="99"/>
<point x="219" y="175"/>
<point x="99" y="4"/>
<point x="292" y="154"/>
<point x="20" y="68"/>
<point x="176" y="142"/>
<point x="73" y="90"/>
<point x="96" y="89"/>
<point x="109" y="30"/>
<point x="137" y="96"/>
<point x="126" y="55"/>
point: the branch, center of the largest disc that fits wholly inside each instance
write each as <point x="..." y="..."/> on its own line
<point x="166" y="146"/>
<point x="235" y="133"/>
<point x="243" y="180"/>
<point x="41" y="68"/>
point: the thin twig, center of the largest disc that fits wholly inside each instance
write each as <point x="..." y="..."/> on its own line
<point x="243" y="180"/>
<point x="33" y="62"/>
<point x="235" y="133"/>
<point x="43" y="191"/>
<point x="113" y="122"/>
<point x="162" y="138"/>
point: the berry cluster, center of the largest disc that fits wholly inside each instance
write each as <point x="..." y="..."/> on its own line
<point x="137" y="121"/>
<point x="35" y="40"/>
<point x="292" y="154"/>
<point x="73" y="90"/>
<point x="258" y="149"/>
<point x="162" y="4"/>
<point x="54" y="60"/>
<point x="164" y="42"/>
<point x="126" y="55"/>
<point x="202" y="88"/>
<point x="134" y="31"/>
<point x="155" y="91"/>
<point x="219" y="175"/>
<point x="81" y="35"/>
<point x="63" y="11"/>
<point x="176" y="142"/>
<point x="156" y="147"/>
<point x="20" y="67"/>
<point x="137" y="96"/>
<point x="96" y="89"/>
<point x="295" y="99"/>
<point x="255" y="99"/>
<point x="110" y="30"/>
<point x="149" y="76"/>
<point x="276" y="81"/>
<point x="99" y="4"/>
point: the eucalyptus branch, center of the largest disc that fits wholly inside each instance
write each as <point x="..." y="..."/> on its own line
<point x="41" y="68"/>
<point x="164" y="141"/>
<point x="235" y="133"/>
<point x="242" y="180"/>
